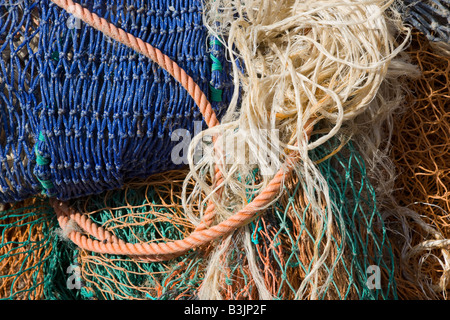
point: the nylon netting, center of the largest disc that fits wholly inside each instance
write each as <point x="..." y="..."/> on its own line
<point x="284" y="238"/>
<point x="142" y="212"/>
<point x="421" y="154"/>
<point x="79" y="112"/>
<point x="34" y="257"/>
<point x="33" y="260"/>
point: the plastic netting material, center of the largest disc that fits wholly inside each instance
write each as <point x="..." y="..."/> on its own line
<point x="286" y="235"/>
<point x="33" y="261"/>
<point x="142" y="212"/>
<point x="431" y="17"/>
<point x="421" y="153"/>
<point x="283" y="237"/>
<point x="84" y="147"/>
<point x="424" y="134"/>
<point x="79" y="112"/>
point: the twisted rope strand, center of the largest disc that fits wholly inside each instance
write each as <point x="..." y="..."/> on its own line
<point x="107" y="242"/>
<point x="147" y="50"/>
<point x="177" y="247"/>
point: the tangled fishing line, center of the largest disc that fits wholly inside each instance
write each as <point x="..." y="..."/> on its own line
<point x="294" y="180"/>
<point x="296" y="65"/>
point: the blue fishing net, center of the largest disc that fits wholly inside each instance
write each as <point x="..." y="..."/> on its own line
<point x="81" y="113"/>
<point x="431" y="17"/>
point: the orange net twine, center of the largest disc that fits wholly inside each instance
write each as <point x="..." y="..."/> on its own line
<point x="419" y="233"/>
<point x="24" y="250"/>
<point x="421" y="155"/>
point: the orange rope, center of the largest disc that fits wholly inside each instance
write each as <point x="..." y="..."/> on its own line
<point x="178" y="247"/>
<point x="203" y="234"/>
<point x="158" y="57"/>
<point x="147" y="50"/>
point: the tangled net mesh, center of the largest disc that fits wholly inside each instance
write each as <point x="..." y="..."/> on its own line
<point x="287" y="239"/>
<point x="421" y="154"/>
<point x="33" y="260"/>
<point x="144" y="211"/>
<point x="276" y="255"/>
<point x="283" y="242"/>
<point x="421" y="148"/>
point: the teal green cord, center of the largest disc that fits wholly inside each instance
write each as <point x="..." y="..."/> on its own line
<point x="216" y="94"/>
<point x="41" y="161"/>
<point x="216" y="66"/>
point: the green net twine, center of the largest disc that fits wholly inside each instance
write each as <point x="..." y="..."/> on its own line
<point x="140" y="213"/>
<point x="361" y="262"/>
<point x="33" y="259"/>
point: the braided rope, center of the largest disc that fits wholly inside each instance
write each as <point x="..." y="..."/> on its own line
<point x="147" y="50"/>
<point x="162" y="60"/>
<point x="108" y="243"/>
<point x="173" y="248"/>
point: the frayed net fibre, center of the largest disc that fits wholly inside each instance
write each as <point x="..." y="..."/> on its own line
<point x="304" y="63"/>
<point x="297" y="65"/>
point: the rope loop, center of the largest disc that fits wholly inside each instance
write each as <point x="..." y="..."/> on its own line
<point x="204" y="233"/>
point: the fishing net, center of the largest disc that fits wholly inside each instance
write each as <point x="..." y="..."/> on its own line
<point x="79" y="112"/>
<point x="286" y="240"/>
<point x="421" y="154"/>
<point x="33" y="261"/>
<point x="285" y="236"/>
<point x="144" y="211"/>
<point x="421" y="144"/>
<point x="297" y="250"/>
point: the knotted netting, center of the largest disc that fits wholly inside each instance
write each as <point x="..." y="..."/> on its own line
<point x="145" y="211"/>
<point x="431" y="17"/>
<point x="33" y="260"/>
<point x="80" y="112"/>
<point x="288" y="239"/>
<point x="85" y="117"/>
<point x="420" y="151"/>
<point x="285" y="238"/>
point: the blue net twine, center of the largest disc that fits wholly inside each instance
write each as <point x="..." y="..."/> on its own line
<point x="431" y="17"/>
<point x="81" y="113"/>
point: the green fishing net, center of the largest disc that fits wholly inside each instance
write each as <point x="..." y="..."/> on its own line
<point x="33" y="259"/>
<point x="288" y="239"/>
